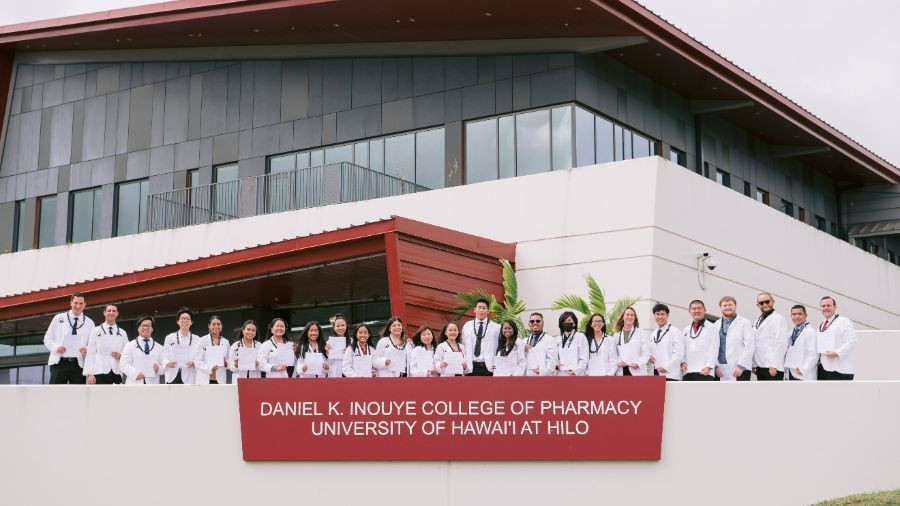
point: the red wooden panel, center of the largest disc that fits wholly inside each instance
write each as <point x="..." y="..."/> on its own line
<point x="437" y="258"/>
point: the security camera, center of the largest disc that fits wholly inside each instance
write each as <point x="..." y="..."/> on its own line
<point x="711" y="263"/>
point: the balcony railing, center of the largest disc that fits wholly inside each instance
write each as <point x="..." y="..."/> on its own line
<point x="272" y="193"/>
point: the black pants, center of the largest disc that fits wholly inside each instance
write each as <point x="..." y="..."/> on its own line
<point x="762" y="374"/>
<point x="745" y="376"/>
<point x="480" y="369"/>
<point x="823" y="375"/>
<point x="67" y="371"/>
<point x="696" y="376"/>
<point x="109" y="378"/>
<point x="177" y="380"/>
<point x="626" y="371"/>
<point x="670" y="379"/>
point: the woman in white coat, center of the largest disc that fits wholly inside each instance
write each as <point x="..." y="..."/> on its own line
<point x="269" y="362"/>
<point x="511" y="349"/>
<point x="339" y="342"/>
<point x="634" y="352"/>
<point x="393" y="350"/>
<point x="246" y="341"/>
<point x="143" y="358"/>
<point x="571" y="347"/>
<point x="603" y="356"/>
<point x="313" y="359"/>
<point x="210" y="358"/>
<point x="450" y="343"/>
<point x="357" y="361"/>
<point x="421" y="363"/>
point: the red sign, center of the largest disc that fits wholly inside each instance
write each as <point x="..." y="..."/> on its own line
<point x="472" y="418"/>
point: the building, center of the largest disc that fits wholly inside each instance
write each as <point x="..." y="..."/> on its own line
<point x="146" y="140"/>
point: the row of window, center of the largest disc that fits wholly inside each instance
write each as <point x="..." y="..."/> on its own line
<point x="27" y="375"/>
<point x="870" y="245"/>
<point x="22" y="345"/>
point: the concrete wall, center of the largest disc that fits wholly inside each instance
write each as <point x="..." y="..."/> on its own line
<point x="744" y="444"/>
<point x="640" y="242"/>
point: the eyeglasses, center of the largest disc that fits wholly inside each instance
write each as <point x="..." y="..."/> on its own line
<point x="534" y="321"/>
<point x="764" y="302"/>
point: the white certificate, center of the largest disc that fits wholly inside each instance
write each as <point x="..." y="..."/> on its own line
<point x="338" y="345"/>
<point x="72" y="344"/>
<point x="313" y="363"/>
<point x="727" y="372"/>
<point x="454" y="363"/>
<point x="631" y="354"/>
<point x="246" y="359"/>
<point x="424" y="360"/>
<point x="825" y="341"/>
<point x="144" y="364"/>
<point x="502" y="366"/>
<point x="362" y="366"/>
<point x="794" y="357"/>
<point x="284" y="355"/>
<point x="215" y="355"/>
<point x="397" y="358"/>
<point x="110" y="345"/>
<point x="180" y="354"/>
<point x="536" y="359"/>
<point x="568" y="357"/>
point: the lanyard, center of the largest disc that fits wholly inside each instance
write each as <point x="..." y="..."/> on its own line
<point x="659" y="337"/>
<point x="594" y="342"/>
<point x="827" y="323"/>
<point x="137" y="344"/>
<point x="699" y="329"/>
<point x="797" y="331"/>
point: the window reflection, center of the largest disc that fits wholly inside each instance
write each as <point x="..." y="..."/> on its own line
<point x="584" y="138"/>
<point x="430" y="158"/>
<point x="532" y="142"/>
<point x="562" y="138"/>
<point x="7" y="346"/>
<point x="47" y="222"/>
<point x="131" y="206"/>
<point x="507" y="146"/>
<point x="33" y="375"/>
<point x="28" y="345"/>
<point x="400" y="157"/>
<point x="8" y="376"/>
<point x="481" y="151"/>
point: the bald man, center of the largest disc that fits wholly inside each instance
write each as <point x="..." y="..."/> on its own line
<point x="771" y="339"/>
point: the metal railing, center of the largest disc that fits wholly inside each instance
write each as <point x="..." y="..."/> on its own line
<point x="272" y="193"/>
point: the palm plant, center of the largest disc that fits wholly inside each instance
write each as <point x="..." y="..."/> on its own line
<point x="511" y="308"/>
<point x="595" y="303"/>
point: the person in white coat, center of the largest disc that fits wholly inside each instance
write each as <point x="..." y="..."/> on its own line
<point x="770" y="339"/>
<point x="539" y="349"/>
<point x="836" y="340"/>
<point x="211" y="355"/>
<point x="312" y="360"/>
<point x="802" y="358"/>
<point x="479" y="337"/>
<point x="269" y="351"/>
<point x="450" y="343"/>
<point x="511" y="350"/>
<point x="603" y="355"/>
<point x="183" y="337"/>
<point x="357" y="362"/>
<point x="393" y="350"/>
<point x="701" y="345"/>
<point x="421" y="360"/>
<point x="571" y="347"/>
<point x="142" y="359"/>
<point x="666" y="345"/>
<point x="104" y="350"/>
<point x="339" y="343"/>
<point x="245" y="342"/>
<point x="66" y="339"/>
<point x="632" y="343"/>
<point x="736" y="343"/>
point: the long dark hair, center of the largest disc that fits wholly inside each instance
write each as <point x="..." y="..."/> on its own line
<point x="564" y="316"/>
<point x="240" y="336"/>
<point x="304" y="339"/>
<point x="503" y="349"/>
<point x="334" y="320"/>
<point x="589" y="333"/>
<point x="620" y="324"/>
<point x="272" y="324"/>
<point x="355" y="342"/>
<point x="386" y="332"/>
<point x="417" y="338"/>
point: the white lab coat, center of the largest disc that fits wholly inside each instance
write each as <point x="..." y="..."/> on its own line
<point x="603" y="357"/>
<point x="545" y="348"/>
<point x="101" y="363"/>
<point x="127" y="362"/>
<point x="844" y="344"/>
<point x="771" y="342"/>
<point x="516" y="357"/>
<point x="417" y="370"/>
<point x="381" y="356"/>
<point x="670" y="338"/>
<point x="577" y="341"/>
<point x="442" y="350"/>
<point x="204" y="367"/>
<point x="639" y="343"/>
<point x="488" y="342"/>
<point x="806" y="343"/>
<point x="350" y="356"/>
<point x="59" y="328"/>
<point x="233" y="355"/>
<point x="187" y="373"/>
<point x="740" y="345"/>
<point x="266" y="358"/>
<point x="703" y="350"/>
<point x="301" y="361"/>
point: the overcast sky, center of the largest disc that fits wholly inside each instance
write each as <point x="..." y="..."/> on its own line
<point x="836" y="58"/>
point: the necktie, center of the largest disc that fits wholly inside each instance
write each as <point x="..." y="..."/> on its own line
<point x="794" y="335"/>
<point x="75" y="327"/>
<point x="110" y="330"/>
<point x="479" y="336"/>
<point x="534" y="339"/>
<point x="658" y="331"/>
<point x="146" y="346"/>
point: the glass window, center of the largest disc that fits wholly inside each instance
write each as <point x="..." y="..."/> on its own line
<point x="762" y="196"/>
<point x="338" y="154"/>
<point x="584" y="137"/>
<point x="131" y="207"/>
<point x="84" y="216"/>
<point x="376" y="155"/>
<point x="317" y="158"/>
<point x="481" y="151"/>
<point x="19" y="228"/>
<point x="562" y="137"/>
<point x="678" y="156"/>
<point x="626" y="144"/>
<point x="430" y="158"/>
<point x="604" y="135"/>
<point x="361" y="154"/>
<point x="747" y="190"/>
<point x="801" y="214"/>
<point x="283" y="163"/>
<point x="617" y="143"/>
<point x="643" y="146"/>
<point x="533" y="142"/>
<point x="193" y="178"/>
<point x="9" y="376"/>
<point x="506" y="142"/>
<point x="820" y="223"/>
<point x="30" y="345"/>
<point x="834" y="229"/>
<point x="225" y="195"/>
<point x="7" y="346"/>
<point x="723" y="178"/>
<point x="226" y="173"/>
<point x="303" y="160"/>
<point x="400" y="157"/>
<point x="33" y="375"/>
<point x="787" y="208"/>
<point x="47" y="221"/>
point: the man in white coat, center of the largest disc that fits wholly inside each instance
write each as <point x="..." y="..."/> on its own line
<point x="666" y="341"/>
<point x="480" y="337"/>
<point x="802" y="358"/>
<point x="104" y="350"/>
<point x="67" y="338"/>
<point x="771" y="340"/>
<point x="836" y="341"/>
<point x="142" y="358"/>
<point x="182" y="337"/>
<point x="701" y="345"/>
<point x="736" y="343"/>
<point x="538" y="348"/>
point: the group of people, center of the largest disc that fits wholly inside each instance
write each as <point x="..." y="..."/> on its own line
<point x="731" y="349"/>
